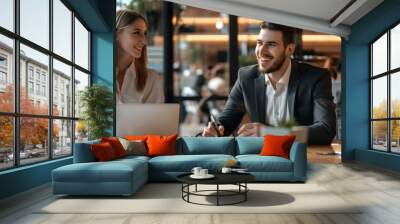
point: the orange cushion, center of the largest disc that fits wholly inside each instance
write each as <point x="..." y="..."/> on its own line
<point x="277" y="145"/>
<point x="103" y="151"/>
<point x="116" y="145"/>
<point x="161" y="145"/>
<point x="136" y="137"/>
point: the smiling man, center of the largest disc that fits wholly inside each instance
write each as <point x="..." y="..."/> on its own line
<point x="279" y="89"/>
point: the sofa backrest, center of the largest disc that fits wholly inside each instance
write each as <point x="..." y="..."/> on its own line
<point x="205" y="145"/>
<point x="249" y="145"/>
<point x="83" y="152"/>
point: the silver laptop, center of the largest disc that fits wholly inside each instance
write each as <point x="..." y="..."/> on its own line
<point x="143" y="119"/>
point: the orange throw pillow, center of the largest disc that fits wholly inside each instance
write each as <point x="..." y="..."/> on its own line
<point x="136" y="137"/>
<point x="161" y="145"/>
<point x="116" y="145"/>
<point x="103" y="152"/>
<point x="277" y="145"/>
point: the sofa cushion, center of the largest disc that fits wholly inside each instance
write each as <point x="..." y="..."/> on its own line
<point x="116" y="145"/>
<point x="249" y="145"/>
<point x="159" y="145"/>
<point x="205" y="145"/>
<point x="103" y="151"/>
<point x="185" y="163"/>
<point x="112" y="171"/>
<point x="257" y="163"/>
<point x="277" y="145"/>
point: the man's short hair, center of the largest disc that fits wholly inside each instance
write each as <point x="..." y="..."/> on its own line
<point x="287" y="32"/>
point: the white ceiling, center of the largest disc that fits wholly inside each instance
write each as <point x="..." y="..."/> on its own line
<point x="315" y="15"/>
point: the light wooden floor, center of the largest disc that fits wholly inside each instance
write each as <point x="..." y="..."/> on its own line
<point x="379" y="189"/>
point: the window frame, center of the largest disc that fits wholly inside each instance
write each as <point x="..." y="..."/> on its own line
<point x="388" y="74"/>
<point x="16" y="115"/>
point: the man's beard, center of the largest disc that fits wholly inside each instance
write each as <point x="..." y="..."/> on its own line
<point x="275" y="65"/>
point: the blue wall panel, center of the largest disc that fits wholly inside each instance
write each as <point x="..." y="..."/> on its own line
<point x="356" y="85"/>
<point x="24" y="178"/>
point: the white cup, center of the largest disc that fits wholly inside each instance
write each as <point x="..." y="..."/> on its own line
<point x="226" y="170"/>
<point x="196" y="171"/>
<point x="203" y="172"/>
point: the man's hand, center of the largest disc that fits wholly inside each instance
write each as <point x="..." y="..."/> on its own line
<point x="209" y="131"/>
<point x="250" y="129"/>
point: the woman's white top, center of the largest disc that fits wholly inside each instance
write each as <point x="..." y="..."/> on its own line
<point x="153" y="91"/>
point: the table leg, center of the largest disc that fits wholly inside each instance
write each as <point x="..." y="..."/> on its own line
<point x="217" y="194"/>
<point x="245" y="191"/>
<point x="196" y="188"/>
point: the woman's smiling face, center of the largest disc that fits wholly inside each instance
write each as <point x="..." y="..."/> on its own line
<point x="133" y="38"/>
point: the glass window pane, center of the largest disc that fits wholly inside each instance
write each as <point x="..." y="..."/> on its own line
<point x="6" y="142"/>
<point x="7" y="14"/>
<point x="81" y="45"/>
<point x="6" y="74"/>
<point x="379" y="55"/>
<point x="81" y="131"/>
<point x="379" y="98"/>
<point x="81" y="81"/>
<point x="395" y="47"/>
<point x="34" y="80"/>
<point x="33" y="139"/>
<point x="201" y="50"/>
<point x="379" y="135"/>
<point x="62" y="29"/>
<point x="395" y="136"/>
<point x="62" y="138"/>
<point x="395" y="94"/>
<point x="62" y="89"/>
<point x="35" y="21"/>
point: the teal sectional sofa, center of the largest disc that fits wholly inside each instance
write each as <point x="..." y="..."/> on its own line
<point x="125" y="176"/>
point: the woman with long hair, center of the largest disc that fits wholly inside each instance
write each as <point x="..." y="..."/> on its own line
<point x="135" y="82"/>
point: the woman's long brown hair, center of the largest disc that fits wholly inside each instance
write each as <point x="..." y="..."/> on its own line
<point x="125" y="18"/>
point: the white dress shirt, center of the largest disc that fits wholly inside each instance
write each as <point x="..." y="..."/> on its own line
<point x="277" y="107"/>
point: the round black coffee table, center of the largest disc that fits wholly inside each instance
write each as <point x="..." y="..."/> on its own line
<point x="238" y="179"/>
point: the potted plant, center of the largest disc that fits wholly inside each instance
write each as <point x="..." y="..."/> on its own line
<point x="96" y="102"/>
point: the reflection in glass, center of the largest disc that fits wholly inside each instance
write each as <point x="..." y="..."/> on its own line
<point x="6" y="142"/>
<point x="379" y="98"/>
<point x="395" y="47"/>
<point x="34" y="95"/>
<point x="33" y="139"/>
<point x="379" y="55"/>
<point x="62" y="29"/>
<point x="6" y="74"/>
<point x="379" y="135"/>
<point x="7" y="14"/>
<point x="81" y="45"/>
<point x="81" y="81"/>
<point x="62" y="138"/>
<point x="395" y="136"/>
<point x="395" y="94"/>
<point x="35" y="21"/>
<point x="201" y="50"/>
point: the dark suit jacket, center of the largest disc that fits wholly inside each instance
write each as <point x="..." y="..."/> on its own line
<point x="309" y="96"/>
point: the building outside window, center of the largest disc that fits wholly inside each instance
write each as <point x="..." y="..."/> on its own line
<point x="33" y="76"/>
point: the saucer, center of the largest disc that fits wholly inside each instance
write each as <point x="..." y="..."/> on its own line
<point x="208" y="176"/>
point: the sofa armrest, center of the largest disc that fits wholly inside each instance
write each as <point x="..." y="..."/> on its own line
<point x="298" y="155"/>
<point x="83" y="152"/>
